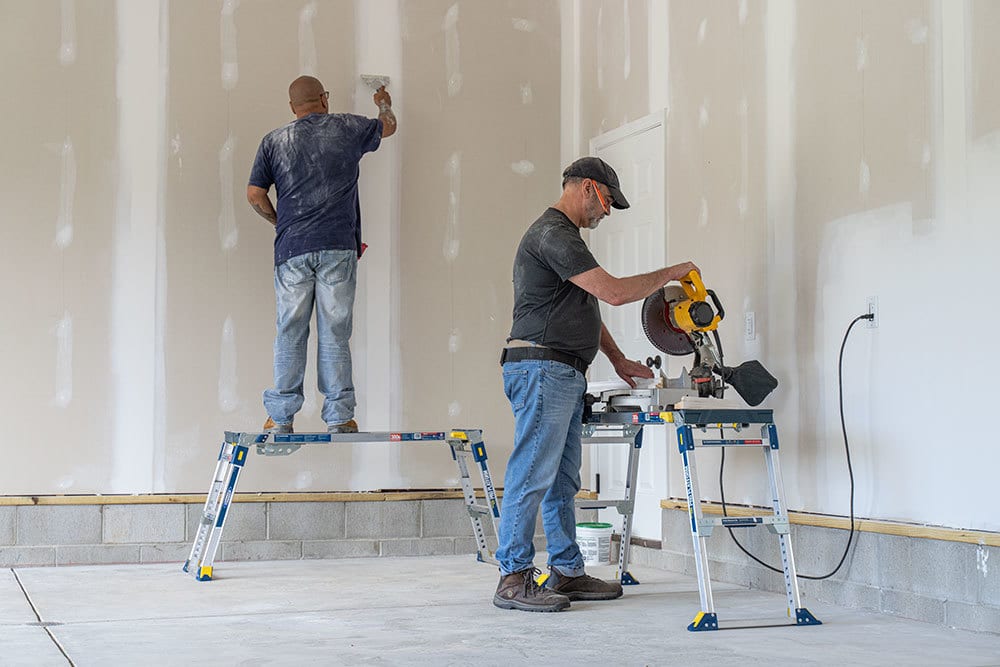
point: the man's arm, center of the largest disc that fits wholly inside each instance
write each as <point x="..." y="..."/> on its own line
<point x="385" y="113"/>
<point x="619" y="291"/>
<point x="624" y="367"/>
<point x="262" y="203"/>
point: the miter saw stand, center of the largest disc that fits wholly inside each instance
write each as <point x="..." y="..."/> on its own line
<point x="678" y="321"/>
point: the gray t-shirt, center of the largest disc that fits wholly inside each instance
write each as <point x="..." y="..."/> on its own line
<point x="548" y="308"/>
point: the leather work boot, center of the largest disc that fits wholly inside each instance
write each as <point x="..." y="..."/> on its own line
<point x="350" y="426"/>
<point x="584" y="587"/>
<point x="519" y="591"/>
<point x="271" y="427"/>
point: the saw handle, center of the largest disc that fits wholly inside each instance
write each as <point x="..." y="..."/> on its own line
<point x="718" y="306"/>
<point x="693" y="286"/>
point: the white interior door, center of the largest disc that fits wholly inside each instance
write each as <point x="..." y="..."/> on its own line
<point x="626" y="243"/>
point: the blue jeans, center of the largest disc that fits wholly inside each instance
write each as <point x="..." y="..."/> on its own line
<point x="544" y="468"/>
<point x="326" y="278"/>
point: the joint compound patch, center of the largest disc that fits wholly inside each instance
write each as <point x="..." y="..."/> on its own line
<point x="862" y="48"/>
<point x="307" y="40"/>
<point x="864" y="178"/>
<point x="982" y="559"/>
<point x="451" y="240"/>
<point x="627" y="38"/>
<point x="744" y="11"/>
<point x="527" y="97"/>
<point x="227" y="31"/>
<point x="67" y="194"/>
<point x="523" y="167"/>
<point x="916" y="31"/>
<point x="454" y="341"/>
<point x="451" y="51"/>
<point x="64" y="361"/>
<point x="600" y="48"/>
<point x="524" y="25"/>
<point x="454" y="409"/>
<point x="67" y="46"/>
<point x="228" y="393"/>
<point x="702" y="31"/>
<point x="703" y="213"/>
<point x="228" y="232"/>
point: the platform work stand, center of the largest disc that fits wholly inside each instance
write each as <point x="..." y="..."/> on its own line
<point x="625" y="428"/>
<point x="734" y="428"/>
<point x="236" y="449"/>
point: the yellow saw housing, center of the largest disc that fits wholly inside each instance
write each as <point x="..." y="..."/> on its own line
<point x="694" y="313"/>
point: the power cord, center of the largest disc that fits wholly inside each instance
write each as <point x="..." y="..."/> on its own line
<point x="850" y="469"/>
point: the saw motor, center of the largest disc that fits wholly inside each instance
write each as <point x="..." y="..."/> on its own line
<point x="683" y="319"/>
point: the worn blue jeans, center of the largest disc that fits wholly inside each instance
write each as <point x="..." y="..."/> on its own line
<point x="326" y="278"/>
<point x="544" y="468"/>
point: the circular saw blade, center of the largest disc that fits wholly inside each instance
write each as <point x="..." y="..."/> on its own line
<point x="656" y="322"/>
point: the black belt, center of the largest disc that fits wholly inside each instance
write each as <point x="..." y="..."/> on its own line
<point x="544" y="354"/>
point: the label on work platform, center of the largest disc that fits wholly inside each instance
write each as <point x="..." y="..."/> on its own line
<point x="424" y="435"/>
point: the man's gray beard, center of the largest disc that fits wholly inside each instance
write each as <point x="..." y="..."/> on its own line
<point x="594" y="223"/>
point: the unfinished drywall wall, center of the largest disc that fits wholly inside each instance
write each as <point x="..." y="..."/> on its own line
<point x="823" y="153"/>
<point x="481" y="163"/>
<point x="149" y="330"/>
<point x="59" y="171"/>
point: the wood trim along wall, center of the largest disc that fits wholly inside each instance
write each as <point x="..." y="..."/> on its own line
<point x="844" y="523"/>
<point x="303" y="497"/>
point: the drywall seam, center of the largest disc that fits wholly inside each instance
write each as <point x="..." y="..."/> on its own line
<point x="134" y="322"/>
<point x="570" y="78"/>
<point x="67" y="45"/>
<point x="452" y="57"/>
<point x="229" y="233"/>
<point x="658" y="41"/>
<point x="781" y="306"/>
<point x="307" y="40"/>
<point x="378" y="50"/>
<point x="227" y="34"/>
<point x="67" y="194"/>
<point x="64" y="361"/>
<point x="952" y="88"/>
<point x="159" y="438"/>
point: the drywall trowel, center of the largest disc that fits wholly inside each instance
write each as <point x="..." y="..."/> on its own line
<point x="375" y="81"/>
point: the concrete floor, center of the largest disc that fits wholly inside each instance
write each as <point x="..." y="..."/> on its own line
<point x="424" y="611"/>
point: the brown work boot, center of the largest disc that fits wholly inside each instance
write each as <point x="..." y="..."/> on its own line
<point x="271" y="427"/>
<point x="519" y="591"/>
<point x="584" y="587"/>
<point x="350" y="426"/>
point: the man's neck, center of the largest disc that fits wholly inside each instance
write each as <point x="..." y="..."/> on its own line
<point x="567" y="210"/>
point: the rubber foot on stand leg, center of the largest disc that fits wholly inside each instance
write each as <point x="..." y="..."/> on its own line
<point x="804" y="617"/>
<point x="629" y="580"/>
<point x="704" y="621"/>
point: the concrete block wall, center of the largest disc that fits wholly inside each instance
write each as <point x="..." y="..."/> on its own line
<point x="38" y="535"/>
<point x="936" y="581"/>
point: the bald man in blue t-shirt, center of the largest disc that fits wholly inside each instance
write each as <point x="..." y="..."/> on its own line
<point x="313" y="165"/>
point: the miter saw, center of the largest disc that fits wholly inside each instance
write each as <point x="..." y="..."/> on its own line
<point x="681" y="320"/>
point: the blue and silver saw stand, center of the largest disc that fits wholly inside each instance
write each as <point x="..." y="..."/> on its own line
<point x="754" y="428"/>
<point x="236" y="449"/>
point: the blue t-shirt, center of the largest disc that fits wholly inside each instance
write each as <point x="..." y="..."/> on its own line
<point x="313" y="164"/>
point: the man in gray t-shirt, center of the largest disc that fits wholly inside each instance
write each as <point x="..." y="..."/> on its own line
<point x="556" y="333"/>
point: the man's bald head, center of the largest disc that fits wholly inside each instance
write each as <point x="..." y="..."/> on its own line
<point x="306" y="95"/>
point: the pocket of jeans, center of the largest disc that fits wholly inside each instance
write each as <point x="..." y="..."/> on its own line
<point x="514" y="388"/>
<point x="294" y="271"/>
<point x="560" y="371"/>
<point x="333" y="270"/>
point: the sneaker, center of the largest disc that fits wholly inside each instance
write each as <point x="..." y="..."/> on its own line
<point x="350" y="426"/>
<point x="271" y="427"/>
<point x="584" y="587"/>
<point x="519" y="591"/>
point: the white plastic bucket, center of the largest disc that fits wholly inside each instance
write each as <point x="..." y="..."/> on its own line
<point x="594" y="539"/>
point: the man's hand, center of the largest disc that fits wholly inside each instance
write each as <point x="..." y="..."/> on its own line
<point x="682" y="270"/>
<point x="382" y="98"/>
<point x="385" y="114"/>
<point x="628" y="369"/>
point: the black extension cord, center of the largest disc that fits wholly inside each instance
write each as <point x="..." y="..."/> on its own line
<point x="850" y="469"/>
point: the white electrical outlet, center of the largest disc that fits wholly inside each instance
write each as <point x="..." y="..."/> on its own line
<point x="871" y="307"/>
<point x="749" y="327"/>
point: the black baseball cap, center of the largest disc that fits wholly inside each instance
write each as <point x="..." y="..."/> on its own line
<point x="597" y="169"/>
